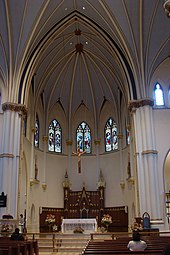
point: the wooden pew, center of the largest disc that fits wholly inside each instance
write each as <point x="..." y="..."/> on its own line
<point x="155" y="245"/>
<point x="6" y="249"/>
<point x="29" y="247"/>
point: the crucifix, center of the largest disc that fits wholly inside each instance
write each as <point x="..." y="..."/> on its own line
<point x="79" y="153"/>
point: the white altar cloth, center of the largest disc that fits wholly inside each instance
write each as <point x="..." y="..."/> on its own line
<point x="89" y="225"/>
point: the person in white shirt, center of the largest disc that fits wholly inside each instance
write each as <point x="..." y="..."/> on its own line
<point x="136" y="244"/>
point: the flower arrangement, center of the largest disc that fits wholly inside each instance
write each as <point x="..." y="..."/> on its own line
<point x="50" y="218"/>
<point x="136" y="227"/>
<point x="78" y="230"/>
<point x="5" y="228"/>
<point x="106" y="220"/>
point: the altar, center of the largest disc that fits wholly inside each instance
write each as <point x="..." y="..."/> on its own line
<point x="69" y="225"/>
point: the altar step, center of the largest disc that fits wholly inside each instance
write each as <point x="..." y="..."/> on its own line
<point x="64" y="243"/>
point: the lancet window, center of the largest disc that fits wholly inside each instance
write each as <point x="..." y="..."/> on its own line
<point x="111" y="139"/>
<point x="158" y="95"/>
<point x="37" y="130"/>
<point x="54" y="137"/>
<point x="83" y="137"/>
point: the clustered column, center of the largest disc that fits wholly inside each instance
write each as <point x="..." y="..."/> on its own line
<point x="146" y="158"/>
<point x="10" y="155"/>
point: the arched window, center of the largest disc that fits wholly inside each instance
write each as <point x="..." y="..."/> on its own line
<point x="54" y="136"/>
<point x="83" y="137"/>
<point x="111" y="139"/>
<point x="158" y="95"/>
<point x="37" y="130"/>
<point x="127" y="136"/>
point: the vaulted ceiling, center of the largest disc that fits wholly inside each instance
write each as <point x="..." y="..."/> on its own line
<point x="74" y="51"/>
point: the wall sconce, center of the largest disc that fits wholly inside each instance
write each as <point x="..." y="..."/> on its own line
<point x="168" y="205"/>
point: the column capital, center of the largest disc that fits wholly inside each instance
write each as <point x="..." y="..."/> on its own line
<point x="69" y="142"/>
<point x="97" y="142"/>
<point x="45" y="138"/>
<point x="20" y="108"/>
<point x="134" y="104"/>
<point x="120" y="136"/>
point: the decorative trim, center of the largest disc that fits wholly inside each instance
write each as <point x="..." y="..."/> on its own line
<point x="149" y="152"/>
<point x="134" y="104"/>
<point x="120" y="136"/>
<point x="6" y="155"/>
<point x="34" y="181"/>
<point x="45" y="138"/>
<point x="20" y="108"/>
<point x="166" y="6"/>
<point x="33" y="129"/>
<point x="122" y="184"/>
<point x="44" y="186"/>
<point x="131" y="180"/>
<point x="97" y="142"/>
<point x="69" y="142"/>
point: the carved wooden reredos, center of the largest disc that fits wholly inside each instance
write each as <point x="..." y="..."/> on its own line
<point x="85" y="204"/>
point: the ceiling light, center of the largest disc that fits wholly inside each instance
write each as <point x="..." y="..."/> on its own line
<point x="83" y="8"/>
<point x="66" y="9"/>
<point x="86" y="42"/>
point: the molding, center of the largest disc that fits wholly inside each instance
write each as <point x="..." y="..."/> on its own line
<point x="134" y="104"/>
<point x="20" y="108"/>
<point x="6" y="155"/>
<point x="149" y="152"/>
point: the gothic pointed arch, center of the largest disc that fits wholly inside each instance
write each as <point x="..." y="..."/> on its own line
<point x="111" y="138"/>
<point x="83" y="137"/>
<point x="55" y="137"/>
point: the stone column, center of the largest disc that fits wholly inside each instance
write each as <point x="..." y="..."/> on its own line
<point x="44" y="183"/>
<point x="146" y="159"/>
<point x="10" y="155"/>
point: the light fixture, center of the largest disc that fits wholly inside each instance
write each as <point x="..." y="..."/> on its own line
<point x="83" y="8"/>
<point x="166" y="6"/>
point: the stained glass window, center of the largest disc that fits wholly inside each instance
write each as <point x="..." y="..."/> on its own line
<point x="83" y="137"/>
<point x="54" y="136"/>
<point x="111" y="139"/>
<point x="158" y="95"/>
<point x="127" y="136"/>
<point x="36" y="135"/>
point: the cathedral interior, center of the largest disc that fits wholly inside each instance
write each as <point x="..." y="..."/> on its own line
<point x="85" y="110"/>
